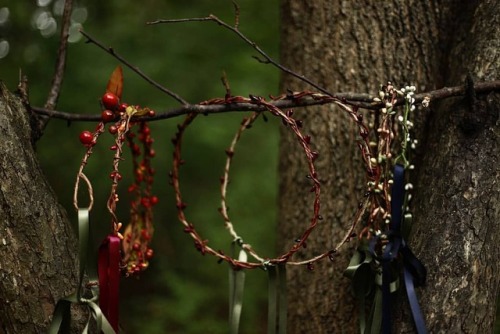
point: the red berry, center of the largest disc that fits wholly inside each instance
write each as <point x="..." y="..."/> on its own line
<point x="145" y="202"/>
<point x="113" y="129"/>
<point x="110" y="101"/>
<point x="122" y="107"/>
<point x="136" y="246"/>
<point x="136" y="150"/>
<point x="149" y="253"/>
<point x="86" y="138"/>
<point x="107" y="116"/>
<point x="145" y="235"/>
<point x="153" y="200"/>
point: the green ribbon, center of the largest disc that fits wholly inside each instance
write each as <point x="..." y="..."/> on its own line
<point x="272" y="299"/>
<point x="283" y="301"/>
<point x="61" y="319"/>
<point x="236" y="286"/>
<point x="277" y="299"/>
<point x="360" y="272"/>
<point x="366" y="277"/>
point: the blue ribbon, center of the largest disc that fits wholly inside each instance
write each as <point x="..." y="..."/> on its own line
<point x="414" y="271"/>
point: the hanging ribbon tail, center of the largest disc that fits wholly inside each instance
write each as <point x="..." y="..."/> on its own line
<point x="418" y="318"/>
<point x="414" y="266"/>
<point x="236" y="287"/>
<point x="102" y="324"/>
<point x="397" y="198"/>
<point x="414" y="271"/>
<point x="283" y="299"/>
<point x="360" y="272"/>
<point x="386" y="291"/>
<point x="277" y="299"/>
<point x="375" y="320"/>
<point x="109" y="278"/>
<point x="62" y="318"/>
<point x="415" y="274"/>
<point x="272" y="303"/>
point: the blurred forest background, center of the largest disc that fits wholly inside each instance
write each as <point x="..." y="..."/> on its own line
<point x="182" y="291"/>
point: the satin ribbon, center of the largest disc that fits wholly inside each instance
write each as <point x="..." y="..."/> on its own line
<point x="277" y="299"/>
<point x="413" y="270"/>
<point x="236" y="287"/>
<point x="61" y="318"/>
<point x="360" y="272"/>
<point x="386" y="281"/>
<point x="366" y="280"/>
<point x="109" y="278"/>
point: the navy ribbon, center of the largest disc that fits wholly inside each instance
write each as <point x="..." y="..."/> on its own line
<point x="413" y="270"/>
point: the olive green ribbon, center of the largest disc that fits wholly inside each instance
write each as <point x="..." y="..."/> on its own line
<point x="236" y="287"/>
<point x="277" y="299"/>
<point x="366" y="277"/>
<point x="360" y="272"/>
<point x="61" y="319"/>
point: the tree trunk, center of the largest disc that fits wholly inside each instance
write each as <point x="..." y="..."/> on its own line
<point x="357" y="46"/>
<point x="37" y="245"/>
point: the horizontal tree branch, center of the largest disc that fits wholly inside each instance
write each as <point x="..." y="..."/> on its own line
<point x="288" y="101"/>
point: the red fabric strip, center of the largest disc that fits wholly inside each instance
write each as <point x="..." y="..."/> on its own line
<point x="109" y="278"/>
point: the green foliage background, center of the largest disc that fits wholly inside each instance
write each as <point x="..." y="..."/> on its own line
<point x="182" y="291"/>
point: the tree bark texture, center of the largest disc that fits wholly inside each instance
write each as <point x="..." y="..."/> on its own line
<point x="37" y="245"/>
<point x="357" y="46"/>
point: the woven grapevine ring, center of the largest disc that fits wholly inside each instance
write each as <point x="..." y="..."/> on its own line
<point x="304" y="142"/>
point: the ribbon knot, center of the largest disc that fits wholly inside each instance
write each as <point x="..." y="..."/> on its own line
<point x="414" y="271"/>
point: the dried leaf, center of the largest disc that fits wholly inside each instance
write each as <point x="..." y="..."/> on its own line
<point x="115" y="83"/>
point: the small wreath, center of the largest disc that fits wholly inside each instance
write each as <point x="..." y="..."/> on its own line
<point x="311" y="155"/>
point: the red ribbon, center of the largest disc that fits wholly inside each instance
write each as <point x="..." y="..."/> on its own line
<point x="109" y="278"/>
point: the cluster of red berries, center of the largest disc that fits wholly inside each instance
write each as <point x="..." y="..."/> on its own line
<point x="112" y="111"/>
<point x="139" y="232"/>
<point x="111" y="104"/>
<point x="137" y="236"/>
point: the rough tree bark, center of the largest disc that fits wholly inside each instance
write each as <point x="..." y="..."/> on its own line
<point x="343" y="45"/>
<point x="37" y="244"/>
<point x="357" y="46"/>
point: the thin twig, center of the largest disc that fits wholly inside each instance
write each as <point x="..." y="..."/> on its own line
<point x="236" y="15"/>
<point x="245" y="124"/>
<point x="61" y="57"/>
<point x="112" y="52"/>
<point x="235" y="30"/>
<point x="58" y="77"/>
<point x="361" y="100"/>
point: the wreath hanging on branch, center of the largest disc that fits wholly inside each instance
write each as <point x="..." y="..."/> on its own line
<point x="379" y="222"/>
